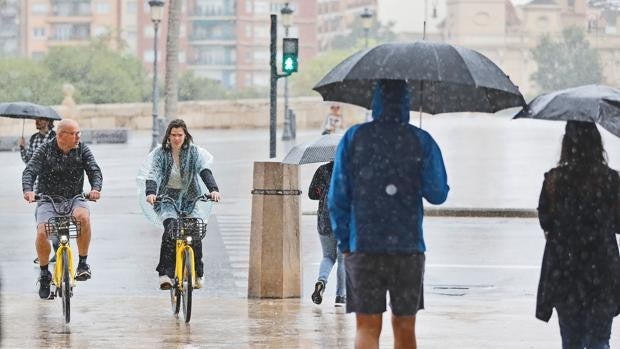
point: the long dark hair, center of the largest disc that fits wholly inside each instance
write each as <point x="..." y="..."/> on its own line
<point x="582" y="146"/>
<point x="176" y="123"/>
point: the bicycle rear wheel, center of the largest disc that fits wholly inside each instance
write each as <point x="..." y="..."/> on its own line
<point x="65" y="287"/>
<point x="188" y="273"/>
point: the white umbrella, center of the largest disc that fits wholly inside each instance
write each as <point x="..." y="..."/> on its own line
<point x="322" y="149"/>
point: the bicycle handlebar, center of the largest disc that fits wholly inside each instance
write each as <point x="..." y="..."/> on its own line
<point x="54" y="200"/>
<point x="192" y="203"/>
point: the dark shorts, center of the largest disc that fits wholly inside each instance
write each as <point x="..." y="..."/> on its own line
<point x="370" y="277"/>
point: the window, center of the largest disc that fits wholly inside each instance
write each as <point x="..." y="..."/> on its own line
<point x="103" y="8"/>
<point x="39" y="9"/>
<point x="38" y="33"/>
<point x="132" y="7"/>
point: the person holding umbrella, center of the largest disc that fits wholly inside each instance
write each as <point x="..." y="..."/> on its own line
<point x="579" y="212"/>
<point x="45" y="132"/>
<point x="319" y="187"/>
<point x="382" y="170"/>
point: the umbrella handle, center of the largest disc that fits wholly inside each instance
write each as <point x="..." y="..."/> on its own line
<point x="23" y="125"/>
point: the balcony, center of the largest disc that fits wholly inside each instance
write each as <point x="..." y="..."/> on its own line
<point x="71" y="9"/>
<point x="70" y="32"/>
<point x="213" y="9"/>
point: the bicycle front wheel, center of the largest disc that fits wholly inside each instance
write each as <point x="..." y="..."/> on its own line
<point x="65" y="287"/>
<point x="187" y="279"/>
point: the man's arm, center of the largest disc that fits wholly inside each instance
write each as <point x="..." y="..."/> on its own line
<point x="95" y="177"/>
<point x="26" y="153"/>
<point x="33" y="169"/>
<point x="434" y="178"/>
<point x="339" y="196"/>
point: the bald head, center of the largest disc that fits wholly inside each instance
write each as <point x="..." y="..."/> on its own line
<point x="67" y="123"/>
<point x="68" y="136"/>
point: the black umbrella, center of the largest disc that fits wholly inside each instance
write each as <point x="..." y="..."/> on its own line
<point x="590" y="103"/>
<point x="443" y="78"/>
<point x="25" y="110"/>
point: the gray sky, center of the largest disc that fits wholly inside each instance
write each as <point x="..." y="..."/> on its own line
<point x="409" y="14"/>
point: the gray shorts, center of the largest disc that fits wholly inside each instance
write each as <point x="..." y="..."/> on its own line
<point x="370" y="277"/>
<point x="45" y="211"/>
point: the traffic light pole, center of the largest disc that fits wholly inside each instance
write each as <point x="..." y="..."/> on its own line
<point x="273" y="86"/>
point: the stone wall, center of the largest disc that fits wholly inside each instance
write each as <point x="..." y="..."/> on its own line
<point x="247" y="113"/>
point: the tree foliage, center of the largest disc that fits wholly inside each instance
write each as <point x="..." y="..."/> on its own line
<point x="28" y="80"/>
<point x="567" y="62"/>
<point x="194" y="88"/>
<point x="311" y="72"/>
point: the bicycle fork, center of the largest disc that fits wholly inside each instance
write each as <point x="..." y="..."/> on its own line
<point x="58" y="268"/>
<point x="181" y="247"/>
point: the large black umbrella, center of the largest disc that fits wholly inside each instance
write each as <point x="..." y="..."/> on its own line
<point x="590" y="103"/>
<point x="25" y="110"/>
<point x="443" y="78"/>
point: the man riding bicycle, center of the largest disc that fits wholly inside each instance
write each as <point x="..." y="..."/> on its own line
<point x="59" y="166"/>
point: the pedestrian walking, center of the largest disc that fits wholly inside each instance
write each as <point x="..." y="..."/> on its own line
<point x="176" y="169"/>
<point x="319" y="187"/>
<point x="382" y="170"/>
<point x="579" y="212"/>
<point x="334" y="121"/>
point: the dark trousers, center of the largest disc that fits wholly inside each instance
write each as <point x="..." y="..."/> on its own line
<point x="167" y="257"/>
<point x="585" y="328"/>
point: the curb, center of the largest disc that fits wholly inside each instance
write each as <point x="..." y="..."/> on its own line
<point x="472" y="212"/>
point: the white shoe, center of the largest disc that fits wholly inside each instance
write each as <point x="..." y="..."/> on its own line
<point x="199" y="282"/>
<point x="164" y="282"/>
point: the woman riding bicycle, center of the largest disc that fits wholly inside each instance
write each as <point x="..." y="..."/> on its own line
<point x="176" y="169"/>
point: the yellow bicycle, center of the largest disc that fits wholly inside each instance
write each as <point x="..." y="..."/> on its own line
<point x="184" y="230"/>
<point x="63" y="227"/>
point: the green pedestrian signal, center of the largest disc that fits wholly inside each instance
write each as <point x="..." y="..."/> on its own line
<point x="289" y="55"/>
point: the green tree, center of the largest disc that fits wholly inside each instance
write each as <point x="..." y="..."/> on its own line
<point x="28" y="80"/>
<point x="99" y="74"/>
<point x="565" y="63"/>
<point x="194" y="88"/>
<point x="313" y="70"/>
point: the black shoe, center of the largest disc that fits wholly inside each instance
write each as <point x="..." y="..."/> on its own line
<point x="341" y="301"/>
<point x="317" y="295"/>
<point x="44" y="284"/>
<point x="83" y="272"/>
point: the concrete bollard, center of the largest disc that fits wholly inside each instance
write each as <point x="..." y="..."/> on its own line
<point x="275" y="268"/>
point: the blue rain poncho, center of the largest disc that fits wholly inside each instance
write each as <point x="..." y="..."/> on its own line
<point x="157" y="168"/>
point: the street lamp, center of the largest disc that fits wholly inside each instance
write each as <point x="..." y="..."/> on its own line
<point x="286" y="15"/>
<point x="156" y="16"/>
<point x="366" y="17"/>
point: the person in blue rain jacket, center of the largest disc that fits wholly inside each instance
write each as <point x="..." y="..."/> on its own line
<point x="382" y="170"/>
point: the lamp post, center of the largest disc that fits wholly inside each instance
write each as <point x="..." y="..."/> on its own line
<point x="366" y="17"/>
<point x="156" y="16"/>
<point x="286" y="14"/>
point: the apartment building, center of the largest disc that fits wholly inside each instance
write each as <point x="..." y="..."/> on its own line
<point x="335" y="17"/>
<point x="9" y="27"/>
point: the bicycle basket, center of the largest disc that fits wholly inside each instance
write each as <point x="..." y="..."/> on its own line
<point x="183" y="227"/>
<point x="57" y="226"/>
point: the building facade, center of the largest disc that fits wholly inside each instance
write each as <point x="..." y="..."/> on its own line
<point x="507" y="34"/>
<point x="9" y="28"/>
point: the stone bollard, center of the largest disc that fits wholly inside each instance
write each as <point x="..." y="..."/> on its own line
<point x="275" y="268"/>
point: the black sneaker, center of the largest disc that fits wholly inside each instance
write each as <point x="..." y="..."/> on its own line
<point x="317" y="295"/>
<point x="341" y="301"/>
<point x="44" y="284"/>
<point x="83" y="272"/>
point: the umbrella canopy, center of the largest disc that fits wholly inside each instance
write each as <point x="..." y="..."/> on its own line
<point x="590" y="103"/>
<point x="322" y="149"/>
<point x="443" y="78"/>
<point x="25" y="110"/>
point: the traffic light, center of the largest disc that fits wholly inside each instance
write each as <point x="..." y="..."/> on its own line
<point x="290" y="49"/>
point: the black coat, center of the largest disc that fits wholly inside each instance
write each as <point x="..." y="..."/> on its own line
<point x="319" y="187"/>
<point x="581" y="263"/>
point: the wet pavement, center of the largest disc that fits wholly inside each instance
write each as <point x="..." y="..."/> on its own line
<point x="480" y="282"/>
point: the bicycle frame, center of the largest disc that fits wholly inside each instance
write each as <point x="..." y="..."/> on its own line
<point x="181" y="247"/>
<point x="64" y="246"/>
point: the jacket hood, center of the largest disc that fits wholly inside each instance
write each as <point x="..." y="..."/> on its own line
<point x="391" y="101"/>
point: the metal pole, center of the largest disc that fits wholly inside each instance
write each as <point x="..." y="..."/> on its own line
<point x="286" y="133"/>
<point x="273" y="88"/>
<point x="155" y="91"/>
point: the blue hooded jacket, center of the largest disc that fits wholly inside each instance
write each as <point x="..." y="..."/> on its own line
<point x="382" y="171"/>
